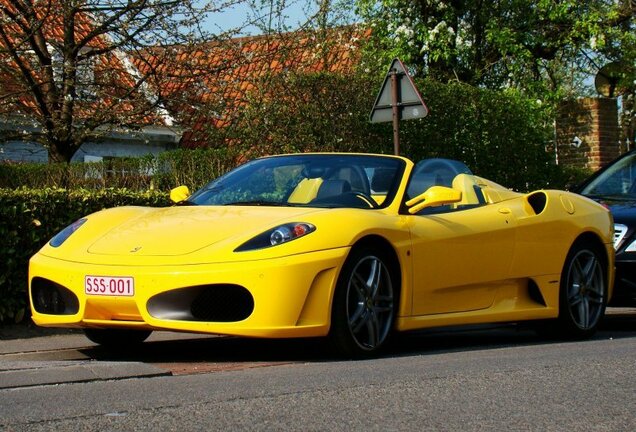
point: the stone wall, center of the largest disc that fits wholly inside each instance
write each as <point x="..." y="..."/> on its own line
<point x="588" y="133"/>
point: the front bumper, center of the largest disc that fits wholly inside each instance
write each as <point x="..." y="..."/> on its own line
<point x="291" y="295"/>
<point x="625" y="282"/>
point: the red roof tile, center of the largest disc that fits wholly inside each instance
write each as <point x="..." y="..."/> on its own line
<point x="226" y="71"/>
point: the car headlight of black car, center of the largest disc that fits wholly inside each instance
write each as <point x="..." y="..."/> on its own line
<point x="278" y="235"/>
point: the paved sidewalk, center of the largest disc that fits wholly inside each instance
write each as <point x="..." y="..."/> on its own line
<point x="58" y="359"/>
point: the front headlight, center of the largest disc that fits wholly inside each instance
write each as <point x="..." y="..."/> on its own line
<point x="61" y="237"/>
<point x="278" y="235"/>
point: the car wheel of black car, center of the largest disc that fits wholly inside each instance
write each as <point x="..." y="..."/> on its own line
<point x="117" y="338"/>
<point x="364" y="304"/>
<point x="583" y="292"/>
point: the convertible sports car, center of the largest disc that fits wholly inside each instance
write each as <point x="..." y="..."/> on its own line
<point x="347" y="246"/>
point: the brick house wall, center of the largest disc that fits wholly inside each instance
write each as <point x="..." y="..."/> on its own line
<point x="588" y="133"/>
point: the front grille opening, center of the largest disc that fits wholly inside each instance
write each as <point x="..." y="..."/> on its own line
<point x="51" y="298"/>
<point x="209" y="303"/>
<point x="224" y="303"/>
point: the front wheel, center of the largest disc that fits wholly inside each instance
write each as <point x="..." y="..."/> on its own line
<point x="583" y="291"/>
<point x="364" y="304"/>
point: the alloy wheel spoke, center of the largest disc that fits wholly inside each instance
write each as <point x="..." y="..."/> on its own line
<point x="594" y="297"/>
<point x="575" y="298"/>
<point x="373" y="283"/>
<point x="578" y="273"/>
<point x="381" y="309"/>
<point x="584" y="313"/>
<point x="589" y="271"/>
<point x="357" y="315"/>
<point x="362" y="320"/>
<point x="360" y="284"/>
<point x="373" y="327"/>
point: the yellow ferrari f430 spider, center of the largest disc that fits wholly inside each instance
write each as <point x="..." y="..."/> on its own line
<point x="352" y="247"/>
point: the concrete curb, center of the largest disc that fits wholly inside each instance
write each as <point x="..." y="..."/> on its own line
<point x="29" y="373"/>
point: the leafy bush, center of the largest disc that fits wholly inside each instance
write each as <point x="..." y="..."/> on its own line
<point x="499" y="135"/>
<point x="318" y="112"/>
<point x="29" y="218"/>
<point x="193" y="168"/>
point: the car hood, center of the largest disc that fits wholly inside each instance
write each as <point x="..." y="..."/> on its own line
<point x="623" y="210"/>
<point x="178" y="231"/>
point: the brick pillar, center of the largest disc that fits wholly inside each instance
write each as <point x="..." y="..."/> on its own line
<point x="587" y="132"/>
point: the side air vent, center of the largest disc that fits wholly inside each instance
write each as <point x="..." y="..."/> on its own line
<point x="535" y="293"/>
<point x="209" y="303"/>
<point x="537" y="201"/>
<point x="52" y="299"/>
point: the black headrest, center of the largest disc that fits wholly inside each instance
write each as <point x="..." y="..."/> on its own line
<point x="382" y="179"/>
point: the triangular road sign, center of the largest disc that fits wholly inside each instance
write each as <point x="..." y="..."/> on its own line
<point x="408" y="100"/>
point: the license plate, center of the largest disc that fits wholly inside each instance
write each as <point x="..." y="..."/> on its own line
<point x="109" y="286"/>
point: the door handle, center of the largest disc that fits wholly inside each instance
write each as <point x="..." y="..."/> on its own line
<point x="504" y="210"/>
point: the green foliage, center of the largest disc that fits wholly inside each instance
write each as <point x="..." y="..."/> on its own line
<point x="547" y="47"/>
<point x="192" y="167"/>
<point x="499" y="135"/>
<point x="29" y="218"/>
<point x="318" y="112"/>
<point x="170" y="169"/>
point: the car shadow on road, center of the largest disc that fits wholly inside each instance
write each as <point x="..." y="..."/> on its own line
<point x="233" y="353"/>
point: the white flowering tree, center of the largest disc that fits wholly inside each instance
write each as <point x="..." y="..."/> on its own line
<point x="537" y="45"/>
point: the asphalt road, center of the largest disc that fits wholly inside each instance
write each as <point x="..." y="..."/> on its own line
<point x="476" y="379"/>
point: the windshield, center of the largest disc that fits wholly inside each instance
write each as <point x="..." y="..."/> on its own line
<point x="310" y="180"/>
<point x="617" y="181"/>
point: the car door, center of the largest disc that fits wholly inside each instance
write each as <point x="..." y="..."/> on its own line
<point x="460" y="257"/>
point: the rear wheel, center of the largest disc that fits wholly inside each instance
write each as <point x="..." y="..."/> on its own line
<point x="117" y="338"/>
<point x="364" y="304"/>
<point x="583" y="292"/>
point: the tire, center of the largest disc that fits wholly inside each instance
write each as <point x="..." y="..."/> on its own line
<point x="364" y="304"/>
<point x="117" y="338"/>
<point x="583" y="291"/>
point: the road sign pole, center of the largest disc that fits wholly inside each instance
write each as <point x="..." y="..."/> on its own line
<point x="397" y="100"/>
<point x="396" y="111"/>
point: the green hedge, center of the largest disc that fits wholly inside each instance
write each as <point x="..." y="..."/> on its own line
<point x="499" y="135"/>
<point x="192" y="168"/>
<point x="29" y="218"/>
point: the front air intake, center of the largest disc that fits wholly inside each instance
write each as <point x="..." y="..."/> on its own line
<point x="53" y="299"/>
<point x="209" y="303"/>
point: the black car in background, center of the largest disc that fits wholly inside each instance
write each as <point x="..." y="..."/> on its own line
<point x="615" y="187"/>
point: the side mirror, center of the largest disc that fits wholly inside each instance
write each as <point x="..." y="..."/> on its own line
<point x="434" y="196"/>
<point x="180" y="193"/>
